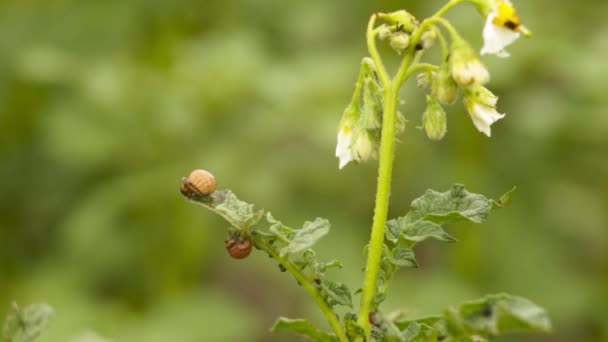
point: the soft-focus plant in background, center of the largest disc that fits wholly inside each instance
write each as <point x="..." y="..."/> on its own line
<point x="147" y="91"/>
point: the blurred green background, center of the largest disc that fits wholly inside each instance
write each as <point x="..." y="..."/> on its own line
<point x="105" y="105"/>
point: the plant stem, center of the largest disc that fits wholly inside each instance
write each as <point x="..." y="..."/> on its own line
<point x="307" y="284"/>
<point x="385" y="170"/>
<point x="373" y="51"/>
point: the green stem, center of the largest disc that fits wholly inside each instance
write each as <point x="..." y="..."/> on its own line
<point x="307" y="284"/>
<point x="373" y="51"/>
<point x="420" y="67"/>
<point x="447" y="7"/>
<point x="385" y="170"/>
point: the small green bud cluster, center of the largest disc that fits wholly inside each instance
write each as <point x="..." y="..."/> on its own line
<point x="397" y="29"/>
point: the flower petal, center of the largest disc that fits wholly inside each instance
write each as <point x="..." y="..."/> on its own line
<point x="496" y="37"/>
<point x="483" y="117"/>
<point x="343" y="148"/>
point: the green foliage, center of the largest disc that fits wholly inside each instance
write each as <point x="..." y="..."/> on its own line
<point x="496" y="315"/>
<point x="424" y="221"/>
<point x="25" y="325"/>
<point x="476" y="320"/>
<point x="337" y="293"/>
<point x="454" y="205"/>
<point x="307" y="236"/>
<point x="302" y="327"/>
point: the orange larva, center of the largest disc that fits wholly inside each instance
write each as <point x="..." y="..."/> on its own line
<point x="238" y="248"/>
<point x="200" y="182"/>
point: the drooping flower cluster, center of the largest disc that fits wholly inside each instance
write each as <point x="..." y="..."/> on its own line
<point x="461" y="73"/>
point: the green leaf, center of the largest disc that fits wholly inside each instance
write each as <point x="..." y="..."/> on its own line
<point x="420" y="332"/>
<point x="421" y="230"/>
<point x="431" y="320"/>
<point x="225" y="203"/>
<point x="504" y="200"/>
<point x="403" y="256"/>
<point x="302" y="327"/>
<point x="278" y="228"/>
<point x="496" y="315"/>
<point x="27" y="324"/>
<point x="353" y="328"/>
<point x="393" y="230"/>
<point x="337" y="293"/>
<point x="307" y="236"/>
<point x="454" y="205"/>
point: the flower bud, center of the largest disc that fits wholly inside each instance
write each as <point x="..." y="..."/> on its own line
<point x="425" y="79"/>
<point x="428" y="38"/>
<point x="371" y="113"/>
<point x="384" y="31"/>
<point x="365" y="146"/>
<point x="434" y="119"/>
<point x="399" y="41"/>
<point x="444" y="87"/>
<point x="465" y="67"/>
<point x="403" y="19"/>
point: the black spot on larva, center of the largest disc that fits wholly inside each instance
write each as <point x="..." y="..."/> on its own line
<point x="282" y="268"/>
<point x="419" y="47"/>
<point x="317" y="281"/>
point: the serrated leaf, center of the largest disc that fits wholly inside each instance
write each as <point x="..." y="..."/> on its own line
<point x="302" y="327"/>
<point x="403" y="256"/>
<point x="337" y="293"/>
<point x="428" y="320"/>
<point x="421" y="230"/>
<point x="278" y="228"/>
<point x="498" y="314"/>
<point x="379" y="298"/>
<point x="226" y="204"/>
<point x="307" y="236"/>
<point x="393" y="230"/>
<point x="390" y="332"/>
<point x="25" y="325"/>
<point x="420" y="332"/>
<point x="353" y="328"/>
<point x="412" y="332"/>
<point x="454" y="205"/>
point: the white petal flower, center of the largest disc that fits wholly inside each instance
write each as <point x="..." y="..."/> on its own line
<point x="465" y="67"/>
<point x="483" y="116"/>
<point x="343" y="148"/>
<point x="502" y="28"/>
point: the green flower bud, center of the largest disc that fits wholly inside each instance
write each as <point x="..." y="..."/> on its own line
<point x="365" y="146"/>
<point x="399" y="41"/>
<point x="384" y="31"/>
<point x="434" y="119"/>
<point x="444" y="87"/>
<point x="371" y="113"/>
<point x="424" y="79"/>
<point x="404" y="20"/>
<point x="428" y="38"/>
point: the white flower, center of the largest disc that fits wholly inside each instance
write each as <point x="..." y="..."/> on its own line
<point x="343" y="148"/>
<point x="465" y="67"/>
<point x="502" y="28"/>
<point x="481" y="105"/>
